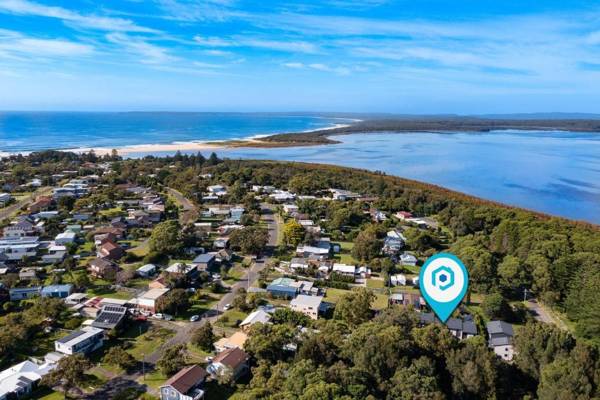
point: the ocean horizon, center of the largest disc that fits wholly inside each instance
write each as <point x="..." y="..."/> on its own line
<point x="33" y="131"/>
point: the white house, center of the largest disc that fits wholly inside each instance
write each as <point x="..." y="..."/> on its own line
<point x="344" y="269"/>
<point x="17" y="248"/>
<point x="147" y="300"/>
<point x="307" y="305"/>
<point x="20" y="379"/>
<point x="65" y="238"/>
<point x="408" y="259"/>
<point x="258" y="316"/>
<point x="398" y="280"/>
<point x="146" y="270"/>
<point x="85" y="340"/>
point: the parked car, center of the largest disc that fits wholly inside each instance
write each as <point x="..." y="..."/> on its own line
<point x="158" y="316"/>
<point x="167" y="317"/>
<point x="227" y="307"/>
<point x="194" y="318"/>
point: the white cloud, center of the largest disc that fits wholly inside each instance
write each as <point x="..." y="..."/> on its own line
<point x="24" y="7"/>
<point x="291" y="46"/>
<point x="319" y="67"/>
<point x="139" y="47"/>
<point x="217" y="53"/>
<point x="14" y="45"/>
<point x="293" y="65"/>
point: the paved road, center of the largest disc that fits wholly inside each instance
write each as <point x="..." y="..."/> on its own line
<point x="190" y="211"/>
<point x="541" y="314"/>
<point x="9" y="211"/>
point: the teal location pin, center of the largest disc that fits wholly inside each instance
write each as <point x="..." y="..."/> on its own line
<point x="444" y="281"/>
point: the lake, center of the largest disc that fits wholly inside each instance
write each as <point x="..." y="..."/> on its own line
<point x="553" y="172"/>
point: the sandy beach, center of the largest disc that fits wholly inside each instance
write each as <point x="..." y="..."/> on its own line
<point x="254" y="141"/>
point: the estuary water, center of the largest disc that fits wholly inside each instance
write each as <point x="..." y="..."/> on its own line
<point x="553" y="172"/>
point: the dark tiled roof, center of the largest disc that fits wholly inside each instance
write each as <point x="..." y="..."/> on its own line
<point x="500" y="327"/>
<point x="187" y="378"/>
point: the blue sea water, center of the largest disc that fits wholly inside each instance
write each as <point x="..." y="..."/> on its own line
<point x="31" y="131"/>
<point x="552" y="172"/>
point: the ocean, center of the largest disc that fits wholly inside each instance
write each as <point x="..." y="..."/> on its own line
<point x="32" y="131"/>
<point x="552" y="172"/>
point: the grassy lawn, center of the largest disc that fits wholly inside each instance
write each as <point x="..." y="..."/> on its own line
<point x="196" y="354"/>
<point x="142" y="249"/>
<point x="345" y="257"/>
<point x="381" y="301"/>
<point x="111" y="212"/>
<point x="230" y="317"/>
<point x="201" y="302"/>
<point x="334" y="295"/>
<point x="106" y="292"/>
<point x="153" y="379"/>
<point x="374" y="283"/>
<point x="147" y="342"/>
<point x="234" y="274"/>
<point x="49" y="396"/>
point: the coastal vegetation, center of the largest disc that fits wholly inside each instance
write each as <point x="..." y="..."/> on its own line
<point x="430" y="124"/>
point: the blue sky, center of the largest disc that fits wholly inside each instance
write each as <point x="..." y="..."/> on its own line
<point x="420" y="56"/>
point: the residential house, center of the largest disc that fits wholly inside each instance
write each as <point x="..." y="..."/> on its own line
<point x="102" y="267"/>
<point x="110" y="250"/>
<point x="307" y="305"/>
<point x="17" y="248"/>
<point x="398" y="280"/>
<point x="146" y="271"/>
<point x="204" y="262"/>
<point x="299" y="264"/>
<point x="217" y="190"/>
<point x="16" y="294"/>
<point x="221" y="243"/>
<point x="290" y="208"/>
<point x="148" y="301"/>
<point x="28" y="274"/>
<point x="188" y="270"/>
<point x="344" y="269"/>
<point x="282" y="287"/>
<point x="500" y="338"/>
<point x="185" y="385"/>
<point x="59" y="291"/>
<point x="282" y="196"/>
<point x="402" y="215"/>
<point x="343" y="195"/>
<point x="233" y="361"/>
<point x="408" y="259"/>
<point x="237" y="339"/>
<point x="258" y="316"/>
<point x="20" y="228"/>
<point x="64" y="238"/>
<point x="20" y="380"/>
<point x="56" y="253"/>
<point x="224" y="256"/>
<point x="158" y="283"/>
<point x="42" y="203"/>
<point x="408" y="300"/>
<point x="462" y="328"/>
<point x="111" y="316"/>
<point x="84" y="341"/>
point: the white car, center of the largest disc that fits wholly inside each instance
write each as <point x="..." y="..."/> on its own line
<point x="158" y="316"/>
<point x="167" y="317"/>
<point x="226" y="307"/>
<point x="194" y="318"/>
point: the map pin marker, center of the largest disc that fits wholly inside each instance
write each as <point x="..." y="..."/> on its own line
<point x="443" y="281"/>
